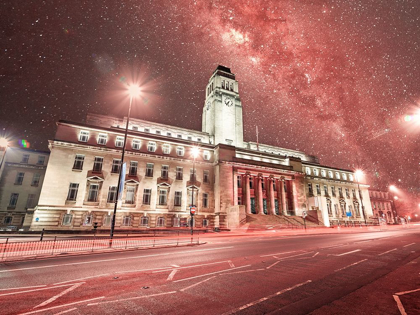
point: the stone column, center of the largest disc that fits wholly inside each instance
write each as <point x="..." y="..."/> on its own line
<point x="260" y="195"/>
<point x="272" y="209"/>
<point x="247" y="201"/>
<point x="283" y="196"/>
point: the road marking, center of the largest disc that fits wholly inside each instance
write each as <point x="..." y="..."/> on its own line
<point x="212" y="273"/>
<point x="282" y="258"/>
<point x="406" y="292"/>
<point x="281" y="253"/>
<point x="213" y="263"/>
<point x="265" y="298"/>
<point x="356" y="263"/>
<point x="104" y="274"/>
<point x="63" y="305"/>
<point x="387" y="252"/>
<point x="193" y="285"/>
<point x="399" y="304"/>
<point x="315" y="254"/>
<point x="55" y="297"/>
<point x="175" y="266"/>
<point x="244" y="271"/>
<point x="172" y="274"/>
<point x="231" y="264"/>
<point x="115" y="259"/>
<point x="66" y="311"/>
<point x="34" y="290"/>
<point x="132" y="298"/>
<point x="273" y="264"/>
<point x="31" y="287"/>
<point x="353" y="251"/>
<point x="409" y="244"/>
<point x="334" y="246"/>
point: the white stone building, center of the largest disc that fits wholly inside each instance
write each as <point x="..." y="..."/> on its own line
<point x="232" y="179"/>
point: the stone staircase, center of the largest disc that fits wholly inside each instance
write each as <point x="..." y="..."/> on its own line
<point x="277" y="222"/>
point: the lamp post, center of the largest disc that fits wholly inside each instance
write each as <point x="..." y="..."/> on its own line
<point x="359" y="173"/>
<point x="194" y="152"/>
<point x="133" y="92"/>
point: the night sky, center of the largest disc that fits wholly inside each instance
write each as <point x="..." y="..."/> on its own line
<point x="336" y="79"/>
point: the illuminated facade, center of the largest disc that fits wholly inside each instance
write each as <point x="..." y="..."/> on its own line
<point x="383" y="206"/>
<point x="232" y="178"/>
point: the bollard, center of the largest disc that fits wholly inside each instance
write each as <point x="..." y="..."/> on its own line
<point x="42" y="235"/>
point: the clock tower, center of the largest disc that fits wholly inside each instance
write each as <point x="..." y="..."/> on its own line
<point x="222" y="112"/>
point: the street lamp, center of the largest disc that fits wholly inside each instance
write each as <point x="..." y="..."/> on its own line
<point x="133" y="92"/>
<point x="194" y="152"/>
<point x="358" y="174"/>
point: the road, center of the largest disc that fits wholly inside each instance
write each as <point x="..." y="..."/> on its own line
<point x="266" y="273"/>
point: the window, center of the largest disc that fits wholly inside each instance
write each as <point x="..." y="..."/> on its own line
<point x="78" y="162"/>
<point x="97" y="164"/>
<point x="25" y="158"/>
<point x="344" y="176"/>
<point x="308" y="171"/>
<point x="343" y="211"/>
<point x="151" y="146"/>
<point x="41" y="160"/>
<point x="239" y="200"/>
<point x="198" y="139"/>
<point x="8" y="220"/>
<point x="351" y="177"/>
<point x="30" y="203"/>
<point x="130" y="196"/>
<point x="262" y="180"/>
<point x="169" y="134"/>
<point x="206" y="177"/>
<point x="193" y="174"/>
<point x="180" y="151"/>
<point x="112" y="194"/>
<point x="178" y="198"/>
<point x="179" y="136"/>
<point x="351" y="210"/>
<point x="135" y="128"/>
<point x="333" y="191"/>
<point x="102" y="138"/>
<point x="83" y="136"/>
<point x="160" y="222"/>
<point x="330" y="174"/>
<point x="164" y="171"/>
<point x="149" y="170"/>
<point x="135" y="144"/>
<point x="119" y="142"/>
<point x="163" y="193"/>
<point x="177" y="222"/>
<point x="336" y="209"/>
<point x="133" y="168"/>
<point x="340" y="192"/>
<point x="116" y="164"/>
<point x="179" y="172"/>
<point x="323" y="173"/>
<point x="239" y="181"/>
<point x="146" y="129"/>
<point x="329" y="207"/>
<point x="107" y="220"/>
<point x="158" y="132"/>
<point x="326" y="190"/>
<point x="205" y="223"/>
<point x="205" y="200"/>
<point x="36" y="179"/>
<point x="206" y="155"/>
<point x="146" y="196"/>
<point x="251" y="182"/>
<point x="354" y="193"/>
<point x="316" y="172"/>
<point x="310" y="189"/>
<point x="72" y="194"/>
<point x="347" y="193"/>
<point x="126" y="221"/>
<point x="88" y="220"/>
<point x="144" y="221"/>
<point x="19" y="178"/>
<point x="356" y="207"/>
<point x="67" y="218"/>
<point x="337" y="175"/>
<point x="93" y="193"/>
<point x="166" y="149"/>
<point x="13" y="200"/>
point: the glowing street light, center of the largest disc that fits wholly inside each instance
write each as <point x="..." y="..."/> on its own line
<point x="133" y="92"/>
<point x="359" y="174"/>
<point x="194" y="153"/>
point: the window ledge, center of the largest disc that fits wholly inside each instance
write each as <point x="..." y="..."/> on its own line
<point x="77" y="169"/>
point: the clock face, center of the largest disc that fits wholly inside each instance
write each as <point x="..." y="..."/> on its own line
<point x="228" y="101"/>
<point x="208" y="104"/>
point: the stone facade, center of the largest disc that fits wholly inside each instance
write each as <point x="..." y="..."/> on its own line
<point x="383" y="206"/>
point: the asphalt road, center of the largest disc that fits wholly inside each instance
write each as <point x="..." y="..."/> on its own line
<point x="359" y="273"/>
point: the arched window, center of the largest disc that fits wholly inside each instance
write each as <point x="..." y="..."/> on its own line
<point x="144" y="221"/>
<point x="160" y="222"/>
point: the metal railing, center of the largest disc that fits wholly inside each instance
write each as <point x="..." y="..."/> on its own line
<point x="10" y="250"/>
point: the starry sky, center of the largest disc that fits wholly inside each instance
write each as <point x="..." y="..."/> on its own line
<point x="337" y="79"/>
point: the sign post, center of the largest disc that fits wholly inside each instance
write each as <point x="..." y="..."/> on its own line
<point x="304" y="215"/>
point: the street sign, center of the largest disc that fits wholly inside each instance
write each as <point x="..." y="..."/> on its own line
<point x="192" y="210"/>
<point x="36" y="219"/>
<point x="304" y="214"/>
<point x="348" y="214"/>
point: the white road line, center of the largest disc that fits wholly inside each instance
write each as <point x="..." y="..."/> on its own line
<point x="175" y="266"/>
<point x="212" y="273"/>
<point x="55" y="297"/>
<point x="387" y="252"/>
<point x="231" y="264"/>
<point x="31" y="287"/>
<point x="353" y="251"/>
<point x="334" y="246"/>
<point x="399" y="304"/>
<point x="63" y="305"/>
<point x="282" y="258"/>
<point x="132" y="298"/>
<point x="315" y="254"/>
<point x="116" y="259"/>
<point x="356" y="263"/>
<point x="193" y="285"/>
<point x="34" y="290"/>
<point x="406" y="292"/>
<point x="172" y="274"/>
<point x="187" y="267"/>
<point x="66" y="311"/>
<point x="162" y="269"/>
<point x="104" y="274"/>
<point x="409" y="244"/>
<point x="273" y="264"/>
<point x="265" y="298"/>
<point x="281" y="253"/>
<point x="244" y="271"/>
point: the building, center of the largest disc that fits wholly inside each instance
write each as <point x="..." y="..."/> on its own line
<point x="383" y="206"/>
<point x="21" y="175"/>
<point x="230" y="179"/>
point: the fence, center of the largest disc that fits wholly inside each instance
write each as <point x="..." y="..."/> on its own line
<point x="23" y="250"/>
